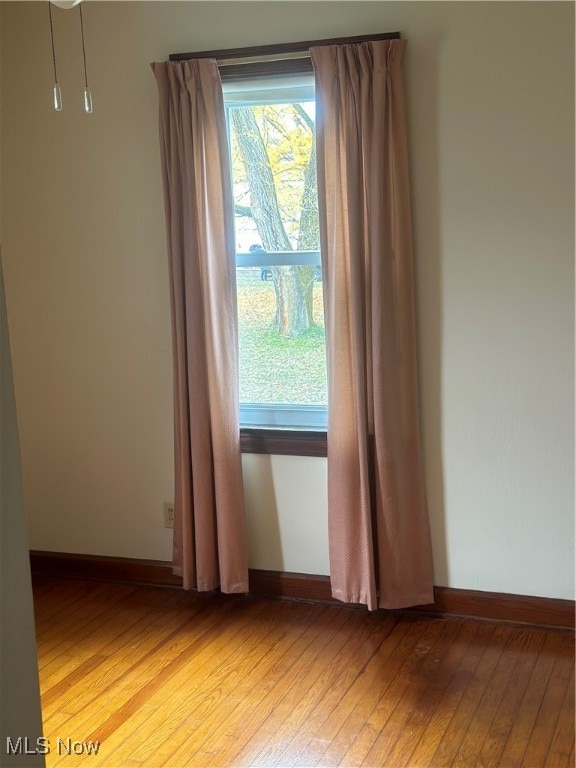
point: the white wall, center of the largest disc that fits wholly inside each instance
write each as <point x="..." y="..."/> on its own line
<point x="491" y="101"/>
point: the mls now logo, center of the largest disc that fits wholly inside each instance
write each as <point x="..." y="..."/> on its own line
<point x="23" y="745"/>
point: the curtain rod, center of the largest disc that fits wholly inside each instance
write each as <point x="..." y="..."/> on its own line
<point x="275" y="51"/>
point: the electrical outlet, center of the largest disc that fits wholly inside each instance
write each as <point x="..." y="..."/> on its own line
<point x="168" y="514"/>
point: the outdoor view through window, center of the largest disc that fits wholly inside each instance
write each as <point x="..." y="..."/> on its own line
<point x="279" y="276"/>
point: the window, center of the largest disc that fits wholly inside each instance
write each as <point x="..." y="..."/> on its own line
<point x="280" y="306"/>
<point x="259" y="77"/>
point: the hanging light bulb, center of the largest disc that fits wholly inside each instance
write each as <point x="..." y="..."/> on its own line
<point x="67" y="4"/>
<point x="57" y="97"/>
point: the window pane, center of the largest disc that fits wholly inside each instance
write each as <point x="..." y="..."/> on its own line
<point x="274" y="176"/>
<point x="280" y="312"/>
<point x="274" y="369"/>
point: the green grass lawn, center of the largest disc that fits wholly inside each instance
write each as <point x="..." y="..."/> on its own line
<point x="274" y="369"/>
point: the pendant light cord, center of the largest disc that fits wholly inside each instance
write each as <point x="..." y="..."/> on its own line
<point x="83" y="46"/>
<point x="52" y="41"/>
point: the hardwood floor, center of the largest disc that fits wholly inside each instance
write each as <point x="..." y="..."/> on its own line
<point x="165" y="678"/>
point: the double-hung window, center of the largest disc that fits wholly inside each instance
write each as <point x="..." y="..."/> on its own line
<point x="271" y="130"/>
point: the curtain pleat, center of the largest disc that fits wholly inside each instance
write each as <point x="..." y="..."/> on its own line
<point x="209" y="527"/>
<point x="379" y="537"/>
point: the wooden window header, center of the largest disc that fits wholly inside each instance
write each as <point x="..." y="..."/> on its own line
<point x="276" y="59"/>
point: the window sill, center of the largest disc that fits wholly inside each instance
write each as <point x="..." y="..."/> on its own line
<point x="283" y="442"/>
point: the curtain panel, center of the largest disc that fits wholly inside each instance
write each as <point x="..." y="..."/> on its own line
<point x="379" y="538"/>
<point x="209" y="526"/>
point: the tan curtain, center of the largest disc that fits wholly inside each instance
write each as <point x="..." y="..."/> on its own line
<point x="379" y="538"/>
<point x="209" y="529"/>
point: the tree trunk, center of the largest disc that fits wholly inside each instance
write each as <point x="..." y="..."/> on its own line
<point x="263" y="200"/>
<point x="309" y="234"/>
<point x="292" y="285"/>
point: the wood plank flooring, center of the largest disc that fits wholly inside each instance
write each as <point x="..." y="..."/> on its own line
<point x="165" y="678"/>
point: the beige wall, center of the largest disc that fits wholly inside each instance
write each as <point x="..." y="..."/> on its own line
<point x="491" y="102"/>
